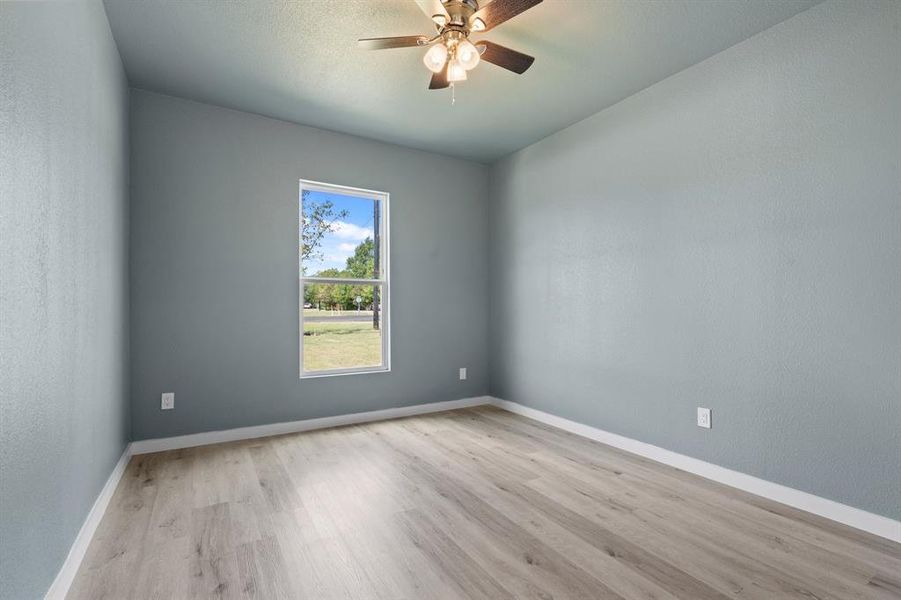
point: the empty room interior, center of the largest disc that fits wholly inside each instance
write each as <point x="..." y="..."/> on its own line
<point x="450" y="299"/>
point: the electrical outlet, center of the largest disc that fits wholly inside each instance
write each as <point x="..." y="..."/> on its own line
<point x="704" y="418"/>
<point x="462" y="373"/>
<point x="168" y="401"/>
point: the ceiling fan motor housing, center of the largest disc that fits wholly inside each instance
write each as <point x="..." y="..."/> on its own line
<point x="459" y="12"/>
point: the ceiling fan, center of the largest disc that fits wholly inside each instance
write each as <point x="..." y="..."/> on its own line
<point x="451" y="53"/>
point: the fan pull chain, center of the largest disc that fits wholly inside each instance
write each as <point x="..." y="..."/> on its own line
<point x="453" y="94"/>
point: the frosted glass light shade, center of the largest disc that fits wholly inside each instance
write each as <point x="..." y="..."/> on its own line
<point x="435" y="58"/>
<point x="467" y="55"/>
<point x="455" y="71"/>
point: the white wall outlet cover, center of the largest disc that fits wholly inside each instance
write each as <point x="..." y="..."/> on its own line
<point x="168" y="401"/>
<point x="462" y="373"/>
<point x="704" y="418"/>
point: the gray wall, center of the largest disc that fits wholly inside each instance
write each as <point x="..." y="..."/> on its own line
<point x="63" y="280"/>
<point x="728" y="238"/>
<point x="214" y="269"/>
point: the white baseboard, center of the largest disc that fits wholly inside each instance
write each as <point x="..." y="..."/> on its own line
<point x="257" y="431"/>
<point x="60" y="586"/>
<point x="835" y="511"/>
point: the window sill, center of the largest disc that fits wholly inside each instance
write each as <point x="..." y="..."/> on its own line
<point x="343" y="372"/>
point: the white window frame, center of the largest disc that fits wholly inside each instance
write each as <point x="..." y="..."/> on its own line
<point x="383" y="280"/>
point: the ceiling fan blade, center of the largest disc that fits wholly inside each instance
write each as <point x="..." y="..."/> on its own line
<point x="498" y="11"/>
<point x="439" y="80"/>
<point x="504" y="57"/>
<point x="432" y="8"/>
<point x="386" y="43"/>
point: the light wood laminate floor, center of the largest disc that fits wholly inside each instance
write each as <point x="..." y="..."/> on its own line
<point x="476" y="503"/>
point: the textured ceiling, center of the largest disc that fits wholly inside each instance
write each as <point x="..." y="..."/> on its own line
<point x="298" y="61"/>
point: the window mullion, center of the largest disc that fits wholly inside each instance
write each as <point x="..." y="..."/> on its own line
<point x="340" y="281"/>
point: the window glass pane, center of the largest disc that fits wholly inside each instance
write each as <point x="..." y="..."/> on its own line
<point x="342" y="326"/>
<point x="341" y="235"/>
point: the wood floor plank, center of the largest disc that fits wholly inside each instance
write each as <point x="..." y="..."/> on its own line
<point x="262" y="571"/>
<point x="885" y="585"/>
<point x="476" y="503"/>
<point x="464" y="572"/>
<point x="214" y="567"/>
<point x="274" y="480"/>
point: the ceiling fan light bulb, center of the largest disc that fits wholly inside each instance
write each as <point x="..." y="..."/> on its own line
<point x="435" y="58"/>
<point x="467" y="55"/>
<point x="455" y="71"/>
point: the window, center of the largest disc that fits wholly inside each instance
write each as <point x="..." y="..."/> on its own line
<point x="344" y="287"/>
